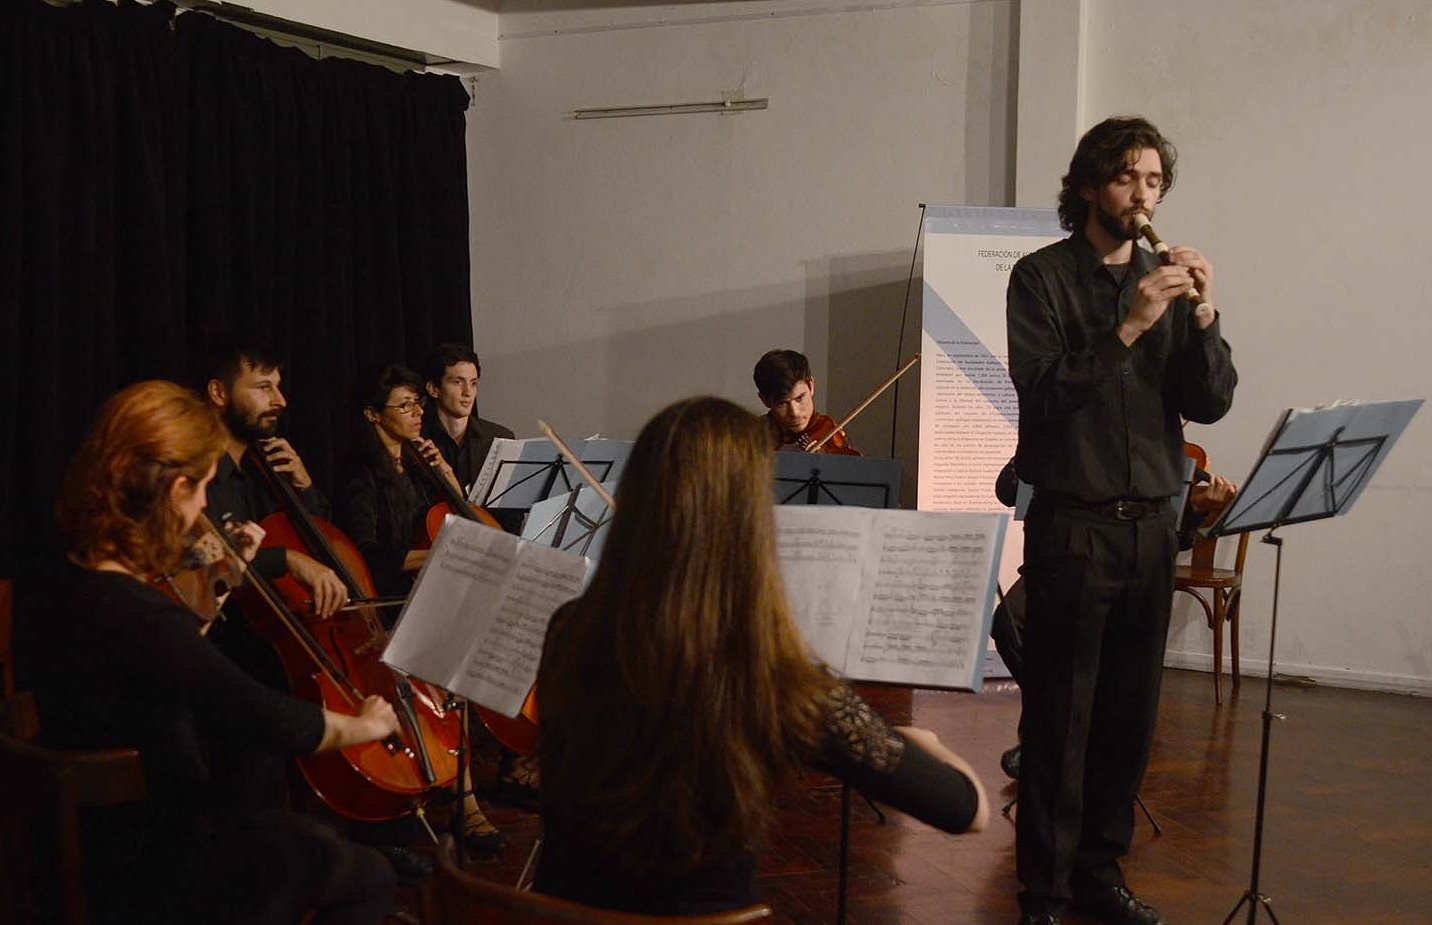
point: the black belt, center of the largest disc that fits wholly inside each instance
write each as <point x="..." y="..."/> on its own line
<point x="1121" y="509"/>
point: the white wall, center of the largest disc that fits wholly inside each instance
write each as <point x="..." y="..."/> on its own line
<point x="463" y="30"/>
<point x="621" y="264"/>
<point x="1305" y="141"/>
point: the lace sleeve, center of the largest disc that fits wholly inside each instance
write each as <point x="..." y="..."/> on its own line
<point x="861" y="749"/>
<point x="856" y="734"/>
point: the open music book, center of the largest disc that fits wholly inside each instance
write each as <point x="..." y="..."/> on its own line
<point x="897" y="596"/>
<point x="478" y="615"/>
<point x="880" y="595"/>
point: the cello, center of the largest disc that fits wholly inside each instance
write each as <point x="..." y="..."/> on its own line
<point x="518" y="733"/>
<point x="451" y="502"/>
<point x="336" y="661"/>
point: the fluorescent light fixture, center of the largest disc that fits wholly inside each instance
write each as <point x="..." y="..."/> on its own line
<point x="675" y="109"/>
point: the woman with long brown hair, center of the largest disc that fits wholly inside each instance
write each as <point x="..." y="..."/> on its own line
<point x="676" y="694"/>
<point x="114" y="662"/>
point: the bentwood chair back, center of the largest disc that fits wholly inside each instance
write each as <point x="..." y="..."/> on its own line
<point x="1219" y="591"/>
<point x="463" y="899"/>
<point x="42" y="795"/>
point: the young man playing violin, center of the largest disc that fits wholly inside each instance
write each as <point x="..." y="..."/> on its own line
<point x="787" y="389"/>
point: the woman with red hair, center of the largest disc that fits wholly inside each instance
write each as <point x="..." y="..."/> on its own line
<point x="114" y="662"/>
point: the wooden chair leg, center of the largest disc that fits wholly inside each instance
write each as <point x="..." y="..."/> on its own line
<point x="1233" y="608"/>
<point x="1217" y="647"/>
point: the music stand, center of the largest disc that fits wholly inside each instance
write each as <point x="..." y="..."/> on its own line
<point x="856" y="481"/>
<point x="1314" y="465"/>
<point x="825" y="478"/>
<point x="604" y="457"/>
<point x="519" y="473"/>
<point x="574" y="522"/>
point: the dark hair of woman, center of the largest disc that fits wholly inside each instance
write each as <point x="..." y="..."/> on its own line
<point x="1104" y="152"/>
<point x="113" y="503"/>
<point x="683" y="652"/>
<point x="373" y="392"/>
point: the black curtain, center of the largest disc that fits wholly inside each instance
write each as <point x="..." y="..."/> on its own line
<point x="167" y="176"/>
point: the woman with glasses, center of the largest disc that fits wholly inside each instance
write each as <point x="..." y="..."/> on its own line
<point x="380" y="501"/>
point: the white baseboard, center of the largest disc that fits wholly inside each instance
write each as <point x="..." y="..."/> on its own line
<point x="1332" y="677"/>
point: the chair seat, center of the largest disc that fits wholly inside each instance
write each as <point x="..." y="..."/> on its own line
<point x="464" y="899"/>
<point x="1189" y="576"/>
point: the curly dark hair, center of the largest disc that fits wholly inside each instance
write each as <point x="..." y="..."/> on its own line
<point x="777" y="373"/>
<point x="435" y="366"/>
<point x="1102" y="154"/>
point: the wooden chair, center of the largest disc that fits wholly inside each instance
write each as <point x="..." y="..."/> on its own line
<point x="1224" y="588"/>
<point x="463" y="899"/>
<point x="42" y="794"/>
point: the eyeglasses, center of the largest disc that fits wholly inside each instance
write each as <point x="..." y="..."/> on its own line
<point x="406" y="407"/>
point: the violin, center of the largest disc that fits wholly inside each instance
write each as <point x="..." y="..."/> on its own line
<point x="207" y="579"/>
<point x="834" y="434"/>
<point x="822" y="436"/>
<point x="337" y="662"/>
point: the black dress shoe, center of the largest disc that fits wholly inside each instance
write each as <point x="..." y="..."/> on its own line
<point x="1115" y="905"/>
<point x="484" y="843"/>
<point x="410" y="866"/>
<point x="1009" y="763"/>
<point x="1043" y="918"/>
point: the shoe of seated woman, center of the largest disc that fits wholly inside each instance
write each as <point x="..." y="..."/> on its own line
<point x="518" y="784"/>
<point x="479" y="835"/>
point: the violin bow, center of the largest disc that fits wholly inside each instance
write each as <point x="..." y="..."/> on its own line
<point x="577" y="464"/>
<point x="815" y="447"/>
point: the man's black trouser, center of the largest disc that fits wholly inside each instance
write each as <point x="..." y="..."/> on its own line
<point x="1099" y="591"/>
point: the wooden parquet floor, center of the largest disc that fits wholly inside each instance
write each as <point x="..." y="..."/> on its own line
<point x="1348" y="834"/>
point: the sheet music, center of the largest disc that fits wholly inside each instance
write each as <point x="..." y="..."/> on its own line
<point x="903" y="596"/>
<point x="478" y="614"/>
<point x="820" y="561"/>
<point x="926" y="617"/>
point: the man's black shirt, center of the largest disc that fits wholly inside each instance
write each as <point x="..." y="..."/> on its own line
<point x="242" y="495"/>
<point x="467" y="455"/>
<point x="1099" y="421"/>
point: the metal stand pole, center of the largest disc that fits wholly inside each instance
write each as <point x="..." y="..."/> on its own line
<point x="844" y="853"/>
<point x="1252" y="896"/>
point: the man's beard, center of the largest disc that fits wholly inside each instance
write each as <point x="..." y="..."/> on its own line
<point x="1120" y="229"/>
<point x="248" y="431"/>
